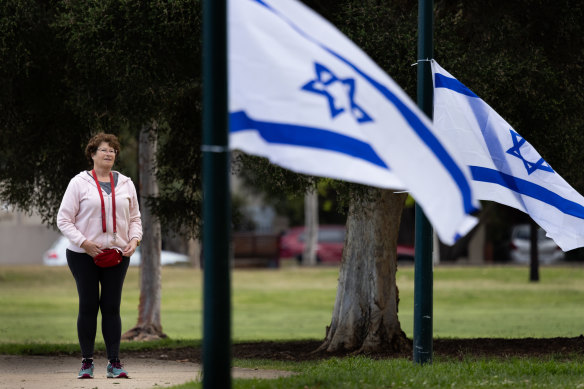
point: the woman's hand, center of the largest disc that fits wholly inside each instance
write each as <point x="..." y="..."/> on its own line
<point x="130" y="248"/>
<point x="91" y="248"/>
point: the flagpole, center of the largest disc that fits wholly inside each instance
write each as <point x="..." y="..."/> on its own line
<point x="423" y="276"/>
<point x="216" y="201"/>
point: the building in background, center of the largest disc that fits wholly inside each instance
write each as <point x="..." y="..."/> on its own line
<point x="23" y="238"/>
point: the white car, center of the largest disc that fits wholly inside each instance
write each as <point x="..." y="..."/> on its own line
<point x="549" y="252"/>
<point x="55" y="256"/>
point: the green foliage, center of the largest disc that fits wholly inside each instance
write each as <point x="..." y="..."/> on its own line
<point x="285" y="189"/>
<point x="133" y="57"/>
<point x="40" y="132"/>
<point x="524" y="59"/>
<point x="387" y="32"/>
<point x="264" y="177"/>
<point x="71" y="68"/>
<point x="139" y="62"/>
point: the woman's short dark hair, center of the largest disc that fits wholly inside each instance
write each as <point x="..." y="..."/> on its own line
<point x="98" y="139"/>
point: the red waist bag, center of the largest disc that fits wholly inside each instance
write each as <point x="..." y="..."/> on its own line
<point x="108" y="258"/>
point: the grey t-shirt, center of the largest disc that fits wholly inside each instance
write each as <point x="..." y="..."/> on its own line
<point x="106" y="186"/>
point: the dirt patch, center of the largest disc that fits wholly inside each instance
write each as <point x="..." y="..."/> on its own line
<point x="304" y="350"/>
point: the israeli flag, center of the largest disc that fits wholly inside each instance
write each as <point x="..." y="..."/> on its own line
<point x="304" y="96"/>
<point x="505" y="167"/>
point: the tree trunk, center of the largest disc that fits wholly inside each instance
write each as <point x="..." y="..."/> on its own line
<point x="365" y="313"/>
<point x="149" y="326"/>
<point x="194" y="250"/>
<point x="311" y="228"/>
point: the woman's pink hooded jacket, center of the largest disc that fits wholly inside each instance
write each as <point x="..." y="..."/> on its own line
<point x="79" y="216"/>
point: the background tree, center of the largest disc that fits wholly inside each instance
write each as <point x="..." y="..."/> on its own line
<point x="40" y="128"/>
<point x="137" y="60"/>
<point x="311" y="228"/>
<point x="75" y="68"/>
<point x="67" y="73"/>
<point x="149" y="325"/>
<point x="522" y="58"/>
<point x="365" y="315"/>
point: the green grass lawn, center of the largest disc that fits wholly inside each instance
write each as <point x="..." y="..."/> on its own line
<point x="365" y="373"/>
<point x="38" y="306"/>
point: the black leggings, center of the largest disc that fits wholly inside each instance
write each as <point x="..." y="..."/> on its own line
<point x="88" y="276"/>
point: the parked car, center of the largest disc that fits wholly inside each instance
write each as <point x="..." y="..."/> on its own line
<point x="520" y="251"/>
<point x="55" y="256"/>
<point x="331" y="239"/>
<point x="405" y="252"/>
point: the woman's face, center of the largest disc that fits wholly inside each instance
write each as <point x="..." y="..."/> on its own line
<point x="105" y="156"/>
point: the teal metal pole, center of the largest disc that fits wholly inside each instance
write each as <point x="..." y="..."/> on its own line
<point x="216" y="201"/>
<point x="423" y="276"/>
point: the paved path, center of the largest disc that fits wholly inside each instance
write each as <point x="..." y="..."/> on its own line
<point x="36" y="372"/>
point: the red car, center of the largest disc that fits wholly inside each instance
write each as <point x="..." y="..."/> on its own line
<point x="331" y="239"/>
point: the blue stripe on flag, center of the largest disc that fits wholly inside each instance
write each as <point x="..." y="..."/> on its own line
<point x="431" y="141"/>
<point x="295" y="135"/>
<point x="416" y="124"/>
<point x="527" y="188"/>
<point x="441" y="81"/>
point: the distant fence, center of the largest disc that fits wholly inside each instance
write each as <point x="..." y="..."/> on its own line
<point x="252" y="249"/>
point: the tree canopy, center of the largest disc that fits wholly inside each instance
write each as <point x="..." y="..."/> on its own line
<point x="522" y="58"/>
<point x="137" y="62"/>
<point x="69" y="69"/>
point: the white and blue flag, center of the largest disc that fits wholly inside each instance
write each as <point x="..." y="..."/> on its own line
<point x="307" y="98"/>
<point x="505" y="168"/>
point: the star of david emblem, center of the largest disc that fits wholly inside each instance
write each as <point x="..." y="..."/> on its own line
<point x="340" y="100"/>
<point x="515" y="151"/>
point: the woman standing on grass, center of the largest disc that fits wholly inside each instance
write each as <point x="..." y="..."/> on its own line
<point x="99" y="211"/>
